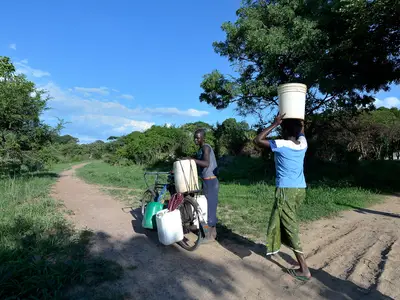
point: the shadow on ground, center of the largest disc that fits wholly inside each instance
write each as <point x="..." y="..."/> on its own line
<point x="59" y="265"/>
<point x="370" y="211"/>
<point x="333" y="287"/>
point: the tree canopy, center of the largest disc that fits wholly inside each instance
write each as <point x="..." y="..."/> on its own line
<point x="343" y="50"/>
<point x="22" y="133"/>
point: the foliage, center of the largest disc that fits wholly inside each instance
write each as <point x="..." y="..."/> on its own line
<point x="156" y="143"/>
<point x="338" y="136"/>
<point x="370" y="135"/>
<point x="337" y="48"/>
<point x="66" y="139"/>
<point x="190" y="129"/>
<point x="232" y="137"/>
<point x="166" y="144"/>
<point x="22" y="133"/>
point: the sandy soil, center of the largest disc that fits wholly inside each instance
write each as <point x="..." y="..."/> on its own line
<point x="354" y="256"/>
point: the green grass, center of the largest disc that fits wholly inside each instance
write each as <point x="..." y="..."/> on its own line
<point x="41" y="256"/>
<point x="61" y="167"/>
<point x="128" y="177"/>
<point x="244" y="204"/>
<point x="107" y="175"/>
<point x="245" y="209"/>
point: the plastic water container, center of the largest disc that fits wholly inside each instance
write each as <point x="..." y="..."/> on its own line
<point x="292" y="100"/>
<point x="169" y="226"/>
<point x="149" y="218"/>
<point x="185" y="176"/>
<point x="203" y="204"/>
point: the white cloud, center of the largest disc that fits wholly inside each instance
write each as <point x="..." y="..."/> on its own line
<point x="66" y="101"/>
<point x="13" y="46"/>
<point x="24" y="68"/>
<point x="94" y="118"/>
<point x="174" y="111"/>
<point x="132" y="125"/>
<point x="388" y="102"/>
<point x="87" y="91"/>
<point x="117" y="124"/>
<point x="127" y="96"/>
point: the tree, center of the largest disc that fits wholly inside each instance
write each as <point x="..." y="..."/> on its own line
<point x="22" y="133"/>
<point x="66" y="139"/>
<point x="231" y="137"/>
<point x="159" y="143"/>
<point x="341" y="49"/>
<point x="112" y="138"/>
<point x="190" y="128"/>
<point x="96" y="149"/>
<point x="341" y="136"/>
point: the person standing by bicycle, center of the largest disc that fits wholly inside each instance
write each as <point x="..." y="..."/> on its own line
<point x="208" y="171"/>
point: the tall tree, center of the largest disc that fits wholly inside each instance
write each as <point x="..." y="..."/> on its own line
<point x="343" y="50"/>
<point x="21" y="104"/>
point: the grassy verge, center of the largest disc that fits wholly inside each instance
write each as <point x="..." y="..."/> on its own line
<point x="41" y="256"/>
<point x="244" y="205"/>
<point x="107" y="175"/>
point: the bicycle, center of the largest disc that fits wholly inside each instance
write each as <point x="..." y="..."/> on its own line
<point x="194" y="226"/>
<point x="158" y="190"/>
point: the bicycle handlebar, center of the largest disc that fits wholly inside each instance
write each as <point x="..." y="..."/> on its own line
<point x="153" y="173"/>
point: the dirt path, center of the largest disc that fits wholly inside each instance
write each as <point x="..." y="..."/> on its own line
<point x="354" y="256"/>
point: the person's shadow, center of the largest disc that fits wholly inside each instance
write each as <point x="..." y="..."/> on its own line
<point x="137" y="224"/>
<point x="330" y="287"/>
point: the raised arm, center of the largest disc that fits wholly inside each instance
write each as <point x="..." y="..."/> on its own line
<point x="260" y="139"/>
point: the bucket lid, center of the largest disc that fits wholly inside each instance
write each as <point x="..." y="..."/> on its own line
<point x="292" y="85"/>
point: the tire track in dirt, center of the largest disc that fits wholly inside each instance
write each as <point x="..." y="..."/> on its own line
<point x="338" y="251"/>
<point x="388" y="281"/>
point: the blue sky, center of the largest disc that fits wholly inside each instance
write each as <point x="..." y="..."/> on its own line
<point x="117" y="66"/>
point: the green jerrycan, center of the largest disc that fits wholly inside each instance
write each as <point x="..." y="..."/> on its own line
<point x="149" y="218"/>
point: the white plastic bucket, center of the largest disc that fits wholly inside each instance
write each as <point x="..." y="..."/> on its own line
<point x="292" y="100"/>
<point x="185" y="176"/>
<point x="203" y="204"/>
<point x="169" y="226"/>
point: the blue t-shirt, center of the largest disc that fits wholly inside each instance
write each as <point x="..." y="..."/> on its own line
<point x="289" y="162"/>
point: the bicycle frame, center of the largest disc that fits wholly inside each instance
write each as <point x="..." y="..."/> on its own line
<point x="159" y="188"/>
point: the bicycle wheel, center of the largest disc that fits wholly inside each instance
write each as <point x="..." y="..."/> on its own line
<point x="192" y="235"/>
<point x="148" y="196"/>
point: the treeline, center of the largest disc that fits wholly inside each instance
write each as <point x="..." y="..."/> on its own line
<point x="26" y="143"/>
<point x="164" y="143"/>
<point x="335" y="137"/>
<point x="367" y="135"/>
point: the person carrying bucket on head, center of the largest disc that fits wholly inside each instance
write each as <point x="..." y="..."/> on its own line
<point x="290" y="191"/>
<point x="208" y="170"/>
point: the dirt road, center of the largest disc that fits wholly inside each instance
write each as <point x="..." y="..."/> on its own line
<point x="354" y="256"/>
